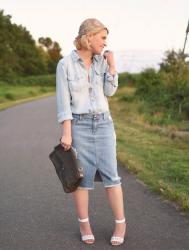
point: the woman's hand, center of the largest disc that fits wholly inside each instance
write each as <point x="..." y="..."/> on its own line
<point x="66" y="141"/>
<point x="110" y="57"/>
<point x="110" y="60"/>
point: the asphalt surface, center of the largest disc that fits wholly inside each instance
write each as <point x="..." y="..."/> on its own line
<point x="35" y="213"/>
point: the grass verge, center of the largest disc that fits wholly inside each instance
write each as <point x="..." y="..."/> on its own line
<point x="159" y="161"/>
<point x="16" y="94"/>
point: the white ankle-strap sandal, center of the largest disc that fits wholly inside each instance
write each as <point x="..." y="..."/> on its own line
<point x="87" y="237"/>
<point x="117" y="239"/>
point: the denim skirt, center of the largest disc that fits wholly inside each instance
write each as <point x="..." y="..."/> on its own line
<point x="94" y="139"/>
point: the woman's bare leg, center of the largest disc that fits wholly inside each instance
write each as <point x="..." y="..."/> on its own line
<point x="81" y="200"/>
<point x="115" y="197"/>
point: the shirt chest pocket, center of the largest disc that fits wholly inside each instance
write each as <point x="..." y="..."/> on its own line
<point x="100" y="77"/>
<point x="76" y="83"/>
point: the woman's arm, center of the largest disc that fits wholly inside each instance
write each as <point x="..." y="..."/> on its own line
<point x="64" y="113"/>
<point x="111" y="75"/>
<point x="62" y="93"/>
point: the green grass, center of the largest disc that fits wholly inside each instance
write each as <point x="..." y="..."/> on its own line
<point x="32" y="80"/>
<point x="159" y="161"/>
<point x="13" y="95"/>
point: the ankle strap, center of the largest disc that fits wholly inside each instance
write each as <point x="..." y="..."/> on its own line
<point x="83" y="220"/>
<point x="120" y="221"/>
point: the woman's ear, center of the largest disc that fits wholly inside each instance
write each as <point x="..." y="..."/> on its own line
<point x="89" y="37"/>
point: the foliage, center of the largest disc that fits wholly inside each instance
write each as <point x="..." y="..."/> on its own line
<point x="167" y="90"/>
<point x="130" y="79"/>
<point x="53" y="52"/>
<point x="19" y="54"/>
<point x="175" y="73"/>
<point x="40" y="80"/>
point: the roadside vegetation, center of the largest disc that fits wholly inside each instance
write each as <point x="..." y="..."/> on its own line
<point x="27" y="67"/>
<point x="151" y="114"/>
<point x="23" y="89"/>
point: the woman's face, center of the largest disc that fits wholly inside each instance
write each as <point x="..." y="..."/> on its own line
<point x="98" y="42"/>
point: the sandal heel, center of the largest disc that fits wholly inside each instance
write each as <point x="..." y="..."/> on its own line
<point x="86" y="237"/>
<point x="118" y="239"/>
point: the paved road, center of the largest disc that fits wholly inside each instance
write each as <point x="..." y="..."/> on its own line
<point x="36" y="214"/>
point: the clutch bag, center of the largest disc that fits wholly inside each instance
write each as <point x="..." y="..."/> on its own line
<point x="68" y="167"/>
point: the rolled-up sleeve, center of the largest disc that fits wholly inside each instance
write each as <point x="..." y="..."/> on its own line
<point x="62" y="93"/>
<point x="110" y="83"/>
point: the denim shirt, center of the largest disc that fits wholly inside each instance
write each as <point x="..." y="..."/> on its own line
<point x="77" y="92"/>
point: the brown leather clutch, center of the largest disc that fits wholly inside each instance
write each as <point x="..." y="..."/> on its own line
<point x="68" y="167"/>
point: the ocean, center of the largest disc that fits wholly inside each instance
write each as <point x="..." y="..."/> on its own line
<point x="135" y="61"/>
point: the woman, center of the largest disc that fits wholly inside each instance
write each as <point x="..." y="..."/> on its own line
<point x="84" y="79"/>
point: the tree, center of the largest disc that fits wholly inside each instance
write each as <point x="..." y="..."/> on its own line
<point x="53" y="50"/>
<point x="175" y="73"/>
<point x="19" y="53"/>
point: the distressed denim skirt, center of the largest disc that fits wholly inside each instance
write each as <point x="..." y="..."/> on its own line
<point x="94" y="139"/>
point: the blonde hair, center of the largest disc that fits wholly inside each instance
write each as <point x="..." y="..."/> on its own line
<point x="90" y="26"/>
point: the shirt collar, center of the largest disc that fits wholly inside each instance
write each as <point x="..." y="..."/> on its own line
<point x="76" y="57"/>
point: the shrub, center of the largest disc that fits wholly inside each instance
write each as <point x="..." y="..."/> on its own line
<point x="168" y="89"/>
<point x="42" y="80"/>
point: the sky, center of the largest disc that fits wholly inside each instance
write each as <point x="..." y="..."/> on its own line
<point x="140" y="31"/>
<point x="134" y="25"/>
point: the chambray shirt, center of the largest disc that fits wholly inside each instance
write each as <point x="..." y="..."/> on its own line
<point x="79" y="92"/>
